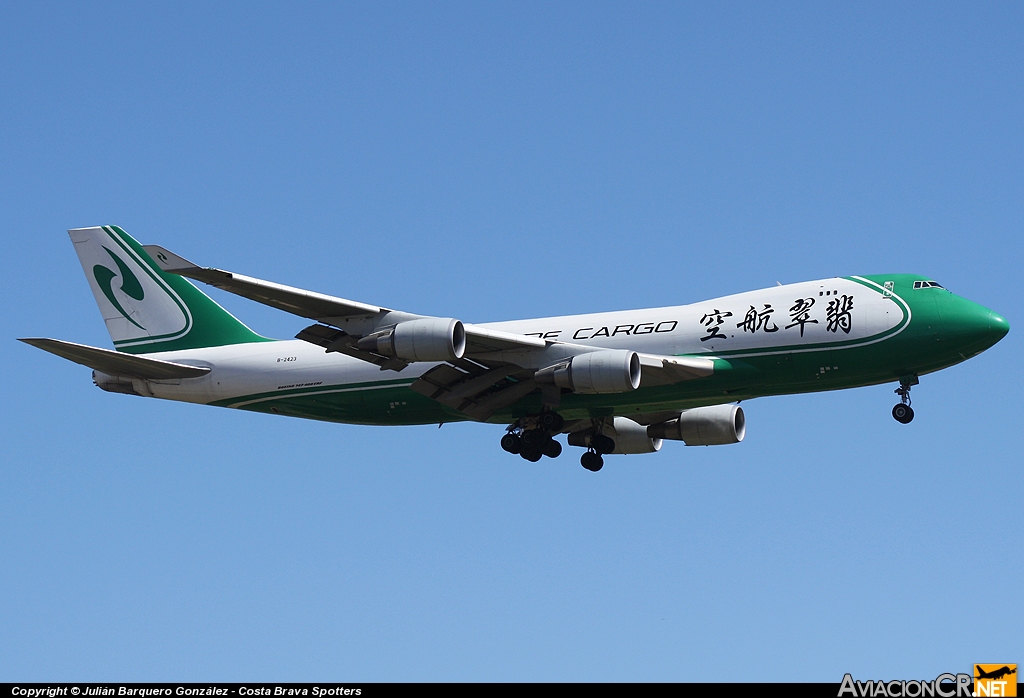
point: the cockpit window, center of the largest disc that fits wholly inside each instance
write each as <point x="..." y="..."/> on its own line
<point x="927" y="284"/>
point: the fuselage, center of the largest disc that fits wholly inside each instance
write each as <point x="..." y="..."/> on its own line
<point x="806" y="337"/>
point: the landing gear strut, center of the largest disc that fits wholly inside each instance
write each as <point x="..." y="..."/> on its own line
<point x="599" y="444"/>
<point x="550" y="421"/>
<point x="903" y="412"/>
<point x="533" y="438"/>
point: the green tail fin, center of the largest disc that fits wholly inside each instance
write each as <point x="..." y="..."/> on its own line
<point x="147" y="310"/>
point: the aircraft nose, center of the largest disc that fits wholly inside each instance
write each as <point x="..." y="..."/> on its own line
<point x="989" y="327"/>
<point x="976" y="326"/>
<point x="997" y="326"/>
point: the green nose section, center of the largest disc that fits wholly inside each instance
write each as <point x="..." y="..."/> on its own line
<point x="973" y="327"/>
<point x="989" y="327"/>
<point x="997" y="326"/>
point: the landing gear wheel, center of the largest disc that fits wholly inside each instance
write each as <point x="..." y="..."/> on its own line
<point x="904" y="414"/>
<point x="534" y="437"/>
<point x="602" y="443"/>
<point x="552" y="449"/>
<point x="531" y="453"/>
<point x="511" y="443"/>
<point x="592" y="461"/>
<point x="551" y="421"/>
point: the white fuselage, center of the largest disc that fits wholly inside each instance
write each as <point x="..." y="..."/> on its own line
<point x="759" y="321"/>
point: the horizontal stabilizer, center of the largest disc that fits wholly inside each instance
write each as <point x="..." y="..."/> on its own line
<point x="117" y="363"/>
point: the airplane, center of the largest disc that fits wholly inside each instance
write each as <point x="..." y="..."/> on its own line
<point x="996" y="674"/>
<point x="614" y="383"/>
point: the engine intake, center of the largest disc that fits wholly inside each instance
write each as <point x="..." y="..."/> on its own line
<point x="704" y="426"/>
<point x="428" y="339"/>
<point x="596" y="372"/>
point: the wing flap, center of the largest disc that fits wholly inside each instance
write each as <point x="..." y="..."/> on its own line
<point x="484" y="408"/>
<point x="116" y="363"/>
<point x="477" y="391"/>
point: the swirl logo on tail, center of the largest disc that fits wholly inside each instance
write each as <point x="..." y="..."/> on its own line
<point x="130" y="285"/>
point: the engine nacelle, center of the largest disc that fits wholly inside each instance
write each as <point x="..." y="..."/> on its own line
<point x="704" y="426"/>
<point x="121" y="384"/>
<point x="629" y="437"/>
<point x="427" y="339"/>
<point x="596" y="372"/>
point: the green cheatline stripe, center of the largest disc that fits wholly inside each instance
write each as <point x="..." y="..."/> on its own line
<point x="311" y="390"/>
<point x="846" y="343"/>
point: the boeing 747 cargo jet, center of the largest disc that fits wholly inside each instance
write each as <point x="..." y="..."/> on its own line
<point x="617" y="382"/>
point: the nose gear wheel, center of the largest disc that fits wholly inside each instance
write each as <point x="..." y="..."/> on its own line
<point x="903" y="412"/>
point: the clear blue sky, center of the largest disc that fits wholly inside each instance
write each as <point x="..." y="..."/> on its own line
<point x="495" y="161"/>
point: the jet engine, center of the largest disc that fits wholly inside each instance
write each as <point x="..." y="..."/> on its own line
<point x="704" y="426"/>
<point x="596" y="372"/>
<point x="627" y="435"/>
<point x="121" y="384"/>
<point x="427" y="339"/>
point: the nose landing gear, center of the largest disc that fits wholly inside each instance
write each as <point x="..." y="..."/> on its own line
<point x="903" y="412"/>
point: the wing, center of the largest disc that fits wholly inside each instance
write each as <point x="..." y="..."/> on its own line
<point x="481" y="341"/>
<point x="667" y="370"/>
<point x="494" y="370"/>
<point x="316" y="306"/>
<point x="355" y="319"/>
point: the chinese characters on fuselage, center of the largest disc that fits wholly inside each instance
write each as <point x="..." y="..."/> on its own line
<point x="714" y="325"/>
<point x="755" y="320"/>
<point x="713" y="322"/>
<point x="800" y="313"/>
<point x="838" y="316"/>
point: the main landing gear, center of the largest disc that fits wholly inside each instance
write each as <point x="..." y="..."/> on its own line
<point x="592" y="461"/>
<point x="533" y="437"/>
<point x="599" y="445"/>
<point x="903" y="412"/>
